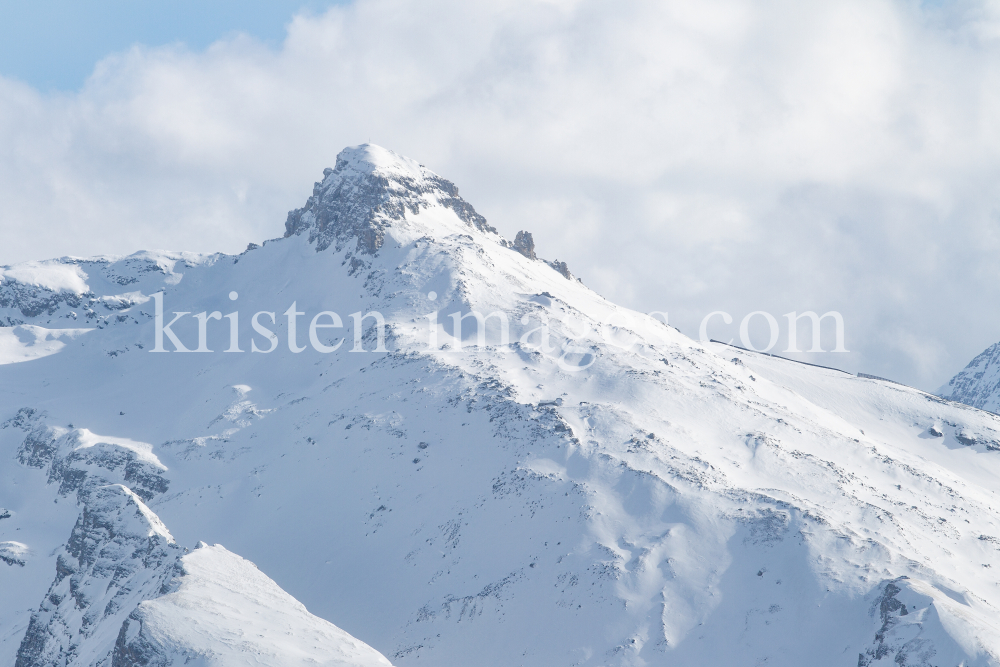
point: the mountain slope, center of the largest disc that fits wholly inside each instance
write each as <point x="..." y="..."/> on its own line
<point x="595" y="489"/>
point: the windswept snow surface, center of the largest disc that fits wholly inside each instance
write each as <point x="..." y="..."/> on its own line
<point x="225" y="612"/>
<point x="619" y="495"/>
<point x="27" y="342"/>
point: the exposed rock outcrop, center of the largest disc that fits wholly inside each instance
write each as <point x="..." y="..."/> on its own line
<point x="78" y="461"/>
<point x="525" y="244"/>
<point x="910" y="631"/>
<point x="562" y="268"/>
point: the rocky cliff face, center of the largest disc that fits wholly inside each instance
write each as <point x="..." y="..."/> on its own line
<point x="908" y="628"/>
<point x="118" y="555"/>
<point x="524" y="243"/>
<point x="79" y="461"/>
<point x="978" y="384"/>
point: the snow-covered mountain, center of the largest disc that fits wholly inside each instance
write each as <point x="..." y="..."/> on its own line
<point x="593" y="488"/>
<point x="978" y="384"/>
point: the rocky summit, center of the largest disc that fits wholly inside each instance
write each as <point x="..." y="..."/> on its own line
<point x="430" y="446"/>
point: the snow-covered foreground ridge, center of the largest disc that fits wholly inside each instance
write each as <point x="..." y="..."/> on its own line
<point x="670" y="503"/>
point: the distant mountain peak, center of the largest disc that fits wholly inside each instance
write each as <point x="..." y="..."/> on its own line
<point x="978" y="384"/>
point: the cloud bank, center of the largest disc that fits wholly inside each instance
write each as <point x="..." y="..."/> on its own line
<point x="682" y="157"/>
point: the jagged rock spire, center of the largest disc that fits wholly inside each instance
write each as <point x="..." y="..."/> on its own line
<point x="525" y="244"/>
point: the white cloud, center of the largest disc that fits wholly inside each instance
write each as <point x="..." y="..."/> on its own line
<point x="686" y="157"/>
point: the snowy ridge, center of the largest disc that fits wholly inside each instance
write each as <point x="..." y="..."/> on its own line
<point x="92" y="292"/>
<point x="126" y="595"/>
<point x="617" y="494"/>
<point x="52" y="276"/>
<point x="221" y="611"/>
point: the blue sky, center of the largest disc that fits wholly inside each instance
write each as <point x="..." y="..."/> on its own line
<point x="54" y="44"/>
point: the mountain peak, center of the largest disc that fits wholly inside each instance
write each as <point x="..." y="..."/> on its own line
<point x="978" y="384"/>
<point x="370" y="159"/>
<point x="370" y="189"/>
